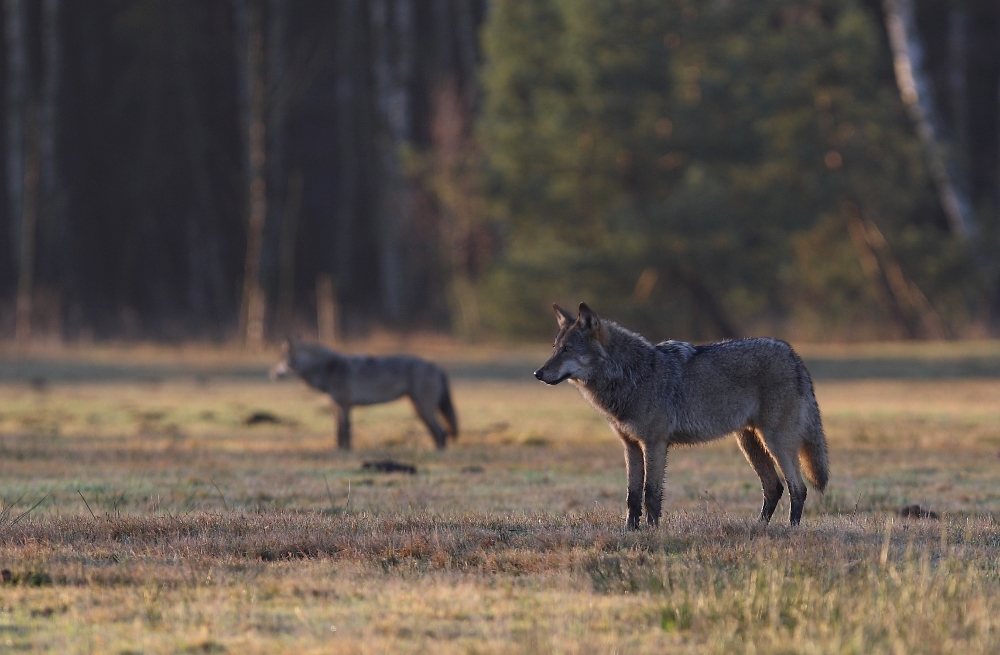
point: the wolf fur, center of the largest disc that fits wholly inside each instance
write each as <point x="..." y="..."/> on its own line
<point x="365" y="380"/>
<point x="674" y="393"/>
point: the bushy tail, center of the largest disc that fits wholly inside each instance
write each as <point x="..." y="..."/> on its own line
<point x="448" y="410"/>
<point x="812" y="454"/>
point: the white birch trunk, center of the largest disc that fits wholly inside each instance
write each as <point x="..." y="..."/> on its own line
<point x="914" y="89"/>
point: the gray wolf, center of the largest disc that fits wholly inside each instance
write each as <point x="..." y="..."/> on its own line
<point x="674" y="393"/>
<point x="365" y="380"/>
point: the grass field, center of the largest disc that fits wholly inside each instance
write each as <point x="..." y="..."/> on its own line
<point x="168" y="524"/>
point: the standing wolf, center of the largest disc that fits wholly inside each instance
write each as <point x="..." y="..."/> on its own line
<point x="364" y="380"/>
<point x="676" y="393"/>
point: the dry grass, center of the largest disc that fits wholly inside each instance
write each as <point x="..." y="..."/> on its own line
<point x="208" y="535"/>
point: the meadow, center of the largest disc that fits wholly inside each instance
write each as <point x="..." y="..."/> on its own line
<point x="176" y="501"/>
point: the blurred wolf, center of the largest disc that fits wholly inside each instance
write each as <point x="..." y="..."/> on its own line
<point x="364" y="380"/>
<point x="674" y="393"/>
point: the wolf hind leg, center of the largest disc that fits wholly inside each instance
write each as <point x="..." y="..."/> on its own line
<point x="784" y="449"/>
<point x="655" y="461"/>
<point x="426" y="412"/>
<point x="447" y="409"/>
<point x="763" y="465"/>
<point x="635" y="470"/>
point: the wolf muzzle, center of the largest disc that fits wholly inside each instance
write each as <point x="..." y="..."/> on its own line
<point x="540" y="375"/>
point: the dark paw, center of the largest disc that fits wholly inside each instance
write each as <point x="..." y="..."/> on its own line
<point x="632" y="523"/>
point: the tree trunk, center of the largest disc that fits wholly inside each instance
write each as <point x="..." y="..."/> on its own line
<point x="29" y="226"/>
<point x="277" y="166"/>
<point x="22" y="171"/>
<point x="348" y="155"/>
<point x="249" y="18"/>
<point x="468" y="60"/>
<point x="914" y="89"/>
<point x="982" y="75"/>
<point x="206" y="295"/>
<point x="16" y="92"/>
<point x="392" y="32"/>
<point x="457" y="194"/>
<point x="54" y="251"/>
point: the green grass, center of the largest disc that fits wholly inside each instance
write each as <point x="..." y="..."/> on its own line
<point x="205" y="535"/>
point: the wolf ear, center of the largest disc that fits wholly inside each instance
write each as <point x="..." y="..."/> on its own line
<point x="562" y="316"/>
<point x="590" y="321"/>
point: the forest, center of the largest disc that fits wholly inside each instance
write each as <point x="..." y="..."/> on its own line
<point x="233" y="170"/>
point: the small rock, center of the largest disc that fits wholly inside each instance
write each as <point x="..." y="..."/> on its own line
<point x="258" y="418"/>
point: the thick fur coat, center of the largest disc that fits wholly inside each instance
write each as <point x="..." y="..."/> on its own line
<point x="674" y="393"/>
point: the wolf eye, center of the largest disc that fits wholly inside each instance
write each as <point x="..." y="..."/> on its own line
<point x="567" y="348"/>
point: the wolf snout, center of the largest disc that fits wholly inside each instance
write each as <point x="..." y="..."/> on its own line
<point x="546" y="377"/>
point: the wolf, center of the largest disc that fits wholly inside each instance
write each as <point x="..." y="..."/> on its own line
<point x="674" y="393"/>
<point x="365" y="380"/>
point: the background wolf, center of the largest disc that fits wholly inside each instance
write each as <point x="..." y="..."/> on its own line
<point x="677" y="393"/>
<point x="365" y="380"/>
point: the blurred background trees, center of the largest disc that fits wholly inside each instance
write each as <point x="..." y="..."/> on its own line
<point x="712" y="169"/>
<point x="235" y="168"/>
<point x="173" y="149"/>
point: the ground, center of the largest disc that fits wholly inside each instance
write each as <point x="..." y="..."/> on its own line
<point x="167" y="521"/>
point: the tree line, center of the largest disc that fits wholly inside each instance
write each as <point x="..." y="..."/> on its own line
<point x="814" y="168"/>
<point x="241" y="168"/>
<point x="178" y="168"/>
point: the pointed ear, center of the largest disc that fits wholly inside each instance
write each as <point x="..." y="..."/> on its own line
<point x="590" y="321"/>
<point x="562" y="316"/>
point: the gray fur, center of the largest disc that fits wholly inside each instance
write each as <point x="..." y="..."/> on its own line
<point x="675" y="393"/>
<point x="365" y="380"/>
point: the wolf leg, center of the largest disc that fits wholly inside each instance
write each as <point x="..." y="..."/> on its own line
<point x="343" y="427"/>
<point x="636" y="472"/>
<point x="655" y="466"/>
<point x="786" y="455"/>
<point x="763" y="465"/>
<point x="426" y="415"/>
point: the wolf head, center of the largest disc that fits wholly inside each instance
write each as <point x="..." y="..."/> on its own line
<point x="298" y="357"/>
<point x="578" y="346"/>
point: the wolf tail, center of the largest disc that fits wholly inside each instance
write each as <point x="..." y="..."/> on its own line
<point x="812" y="453"/>
<point x="448" y="410"/>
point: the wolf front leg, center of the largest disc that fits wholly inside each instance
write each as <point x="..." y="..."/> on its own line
<point x="343" y="426"/>
<point x="636" y="473"/>
<point x="655" y="466"/>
